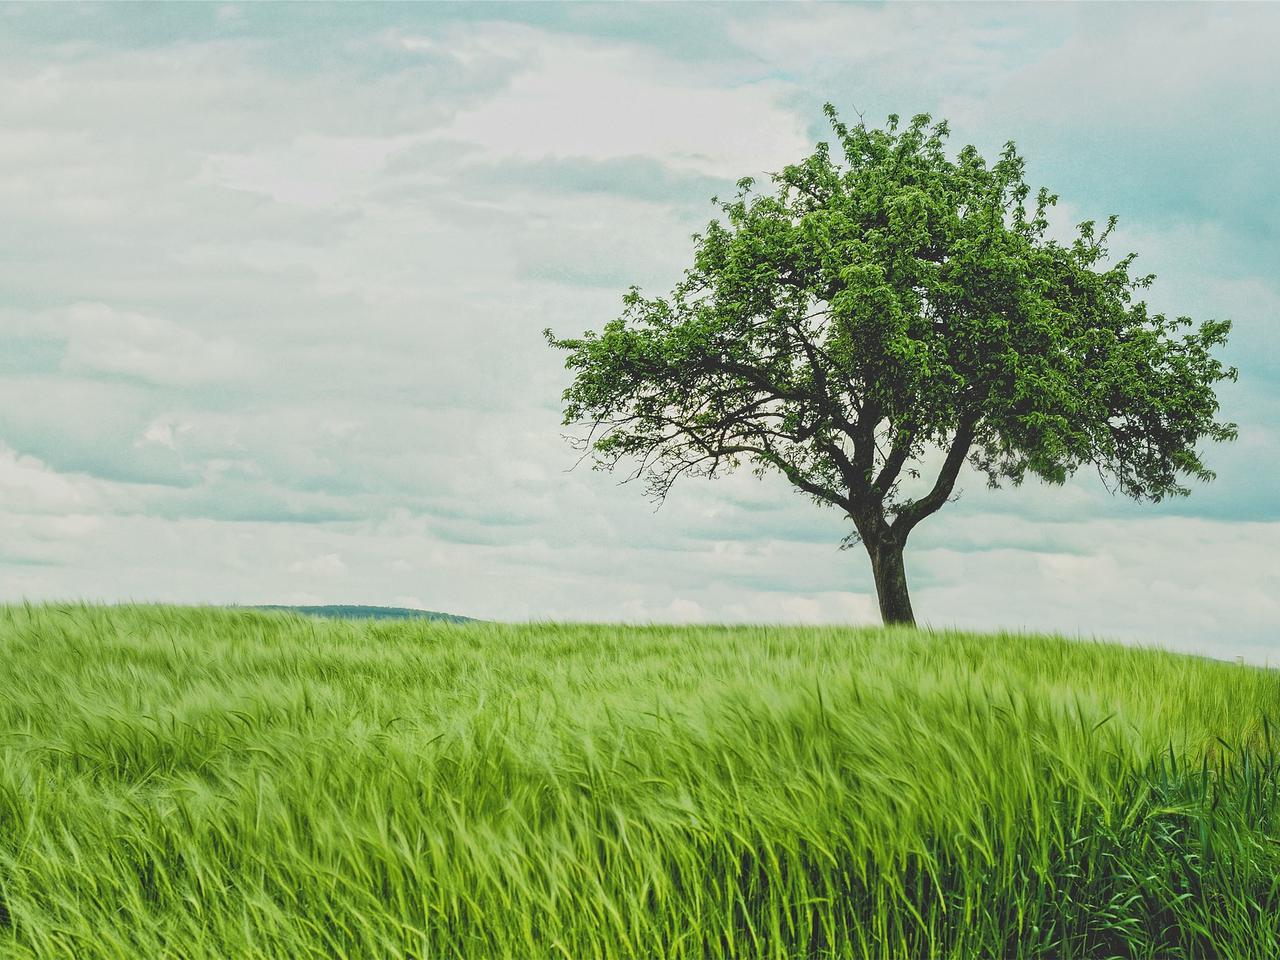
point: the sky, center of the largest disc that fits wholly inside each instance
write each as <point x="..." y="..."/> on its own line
<point x="275" y="276"/>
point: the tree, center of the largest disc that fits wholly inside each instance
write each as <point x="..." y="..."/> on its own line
<point x="899" y="311"/>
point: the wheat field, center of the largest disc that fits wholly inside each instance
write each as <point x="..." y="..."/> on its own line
<point x="195" y="783"/>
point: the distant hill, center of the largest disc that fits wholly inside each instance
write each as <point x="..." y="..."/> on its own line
<point x="347" y="612"/>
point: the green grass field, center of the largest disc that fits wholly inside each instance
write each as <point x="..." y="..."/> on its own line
<point x="184" y="783"/>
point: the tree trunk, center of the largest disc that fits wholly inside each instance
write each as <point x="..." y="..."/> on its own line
<point x="891" y="583"/>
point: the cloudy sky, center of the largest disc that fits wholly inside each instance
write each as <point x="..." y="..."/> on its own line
<point x="274" y="279"/>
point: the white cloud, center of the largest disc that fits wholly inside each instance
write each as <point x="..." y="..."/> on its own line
<point x="896" y="45"/>
<point x="101" y="339"/>
<point x="1145" y="73"/>
<point x="1173" y="581"/>
<point x="28" y="485"/>
<point x="603" y="101"/>
<point x="164" y="432"/>
<point x="312" y="171"/>
<point x="321" y="565"/>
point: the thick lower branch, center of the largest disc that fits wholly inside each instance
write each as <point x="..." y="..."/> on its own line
<point x="915" y="511"/>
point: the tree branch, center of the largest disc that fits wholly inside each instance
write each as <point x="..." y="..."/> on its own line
<point x="893" y="463"/>
<point x="915" y="511"/>
<point x="791" y="473"/>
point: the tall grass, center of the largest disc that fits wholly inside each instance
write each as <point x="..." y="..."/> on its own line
<point x="185" y="783"/>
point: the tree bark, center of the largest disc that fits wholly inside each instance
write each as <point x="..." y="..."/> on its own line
<point x="891" y="583"/>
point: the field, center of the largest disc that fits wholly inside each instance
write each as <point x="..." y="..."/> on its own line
<point x="186" y="783"/>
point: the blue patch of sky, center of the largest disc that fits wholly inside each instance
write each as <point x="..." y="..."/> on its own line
<point x="30" y="355"/>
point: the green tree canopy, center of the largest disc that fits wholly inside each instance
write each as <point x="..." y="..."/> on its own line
<point x="892" y="311"/>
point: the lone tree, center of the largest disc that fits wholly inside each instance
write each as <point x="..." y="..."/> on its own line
<point x="886" y="319"/>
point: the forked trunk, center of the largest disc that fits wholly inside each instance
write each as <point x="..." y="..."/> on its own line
<point x="891" y="583"/>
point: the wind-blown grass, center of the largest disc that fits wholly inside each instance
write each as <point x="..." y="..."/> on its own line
<point x="185" y="783"/>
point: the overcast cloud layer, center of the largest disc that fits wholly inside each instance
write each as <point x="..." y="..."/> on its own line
<point x="275" y="276"/>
